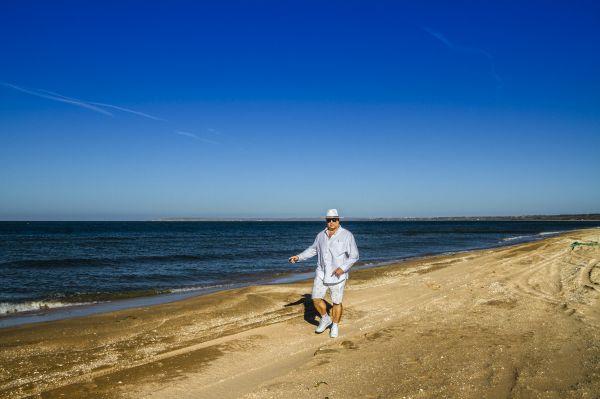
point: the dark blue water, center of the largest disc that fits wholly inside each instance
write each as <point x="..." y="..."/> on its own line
<point x="61" y="263"/>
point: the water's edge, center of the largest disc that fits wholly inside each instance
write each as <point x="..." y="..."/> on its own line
<point x="81" y="310"/>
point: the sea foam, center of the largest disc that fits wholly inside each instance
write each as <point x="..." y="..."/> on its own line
<point x="8" y="308"/>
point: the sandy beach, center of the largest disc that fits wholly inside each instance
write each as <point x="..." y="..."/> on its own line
<point x="512" y="322"/>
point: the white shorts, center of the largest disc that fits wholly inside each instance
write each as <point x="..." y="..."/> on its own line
<point x="336" y="290"/>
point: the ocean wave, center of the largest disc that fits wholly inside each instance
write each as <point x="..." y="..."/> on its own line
<point x="225" y="255"/>
<point x="530" y="237"/>
<point x="105" y="296"/>
<point x="115" y="261"/>
<point x="76" y="299"/>
<point x="54" y="263"/>
<point x="170" y="258"/>
<point x="199" y="287"/>
<point x="8" y="308"/>
<point x="102" y="262"/>
<point x="514" y="238"/>
<point x="525" y="237"/>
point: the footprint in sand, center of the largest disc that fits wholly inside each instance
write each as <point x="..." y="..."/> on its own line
<point x="385" y="334"/>
<point x="321" y="351"/>
<point x="349" y="345"/>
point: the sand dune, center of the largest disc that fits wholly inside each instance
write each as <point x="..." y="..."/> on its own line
<point x="520" y="321"/>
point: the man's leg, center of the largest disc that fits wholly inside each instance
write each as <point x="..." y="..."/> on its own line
<point x="337" y="293"/>
<point x="336" y="312"/>
<point x="320" y="306"/>
<point x="318" y="293"/>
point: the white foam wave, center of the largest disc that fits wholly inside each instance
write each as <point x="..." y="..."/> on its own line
<point x="204" y="287"/>
<point x="544" y="233"/>
<point x="7" y="308"/>
<point x="514" y="238"/>
<point x="11" y="308"/>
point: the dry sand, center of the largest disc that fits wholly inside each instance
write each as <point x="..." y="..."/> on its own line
<point x="520" y="321"/>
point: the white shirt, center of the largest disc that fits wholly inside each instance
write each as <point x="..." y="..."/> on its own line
<point x="336" y="251"/>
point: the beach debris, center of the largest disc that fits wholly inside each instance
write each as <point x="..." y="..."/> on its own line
<point x="587" y="243"/>
<point x="128" y="317"/>
<point x="320" y="383"/>
<point x="433" y="286"/>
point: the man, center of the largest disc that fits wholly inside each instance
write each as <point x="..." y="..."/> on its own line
<point x="337" y="252"/>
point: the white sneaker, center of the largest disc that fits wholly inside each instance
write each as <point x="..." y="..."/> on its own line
<point x="325" y="322"/>
<point x="334" y="330"/>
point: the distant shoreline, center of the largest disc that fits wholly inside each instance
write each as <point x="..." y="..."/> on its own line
<point x="524" y="218"/>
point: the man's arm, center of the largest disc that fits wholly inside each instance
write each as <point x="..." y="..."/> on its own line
<point x="306" y="254"/>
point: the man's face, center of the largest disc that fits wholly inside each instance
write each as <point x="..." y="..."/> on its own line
<point x="332" y="223"/>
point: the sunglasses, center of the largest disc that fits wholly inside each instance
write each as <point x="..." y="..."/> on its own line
<point x="332" y="220"/>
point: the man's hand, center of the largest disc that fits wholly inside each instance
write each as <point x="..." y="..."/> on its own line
<point x="338" y="272"/>
<point x="293" y="259"/>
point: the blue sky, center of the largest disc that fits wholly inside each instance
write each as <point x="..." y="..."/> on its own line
<point x="129" y="111"/>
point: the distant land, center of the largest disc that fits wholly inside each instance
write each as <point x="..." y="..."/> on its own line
<point x="562" y="217"/>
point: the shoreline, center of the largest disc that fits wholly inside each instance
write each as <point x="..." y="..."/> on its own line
<point x="520" y="320"/>
<point x="69" y="311"/>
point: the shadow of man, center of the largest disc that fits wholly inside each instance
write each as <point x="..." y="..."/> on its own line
<point x="310" y="313"/>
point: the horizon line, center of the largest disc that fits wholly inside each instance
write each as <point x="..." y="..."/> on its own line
<point x="591" y="216"/>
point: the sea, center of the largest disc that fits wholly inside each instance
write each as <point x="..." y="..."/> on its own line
<point x="101" y="266"/>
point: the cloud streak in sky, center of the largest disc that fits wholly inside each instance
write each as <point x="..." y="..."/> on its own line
<point x="195" y="137"/>
<point x="142" y="114"/>
<point x="103" y="105"/>
<point x="472" y="50"/>
<point x="91" y="105"/>
<point x="100" y="108"/>
<point x="57" y="97"/>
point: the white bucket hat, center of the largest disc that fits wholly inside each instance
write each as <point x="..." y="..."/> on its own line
<point x="332" y="213"/>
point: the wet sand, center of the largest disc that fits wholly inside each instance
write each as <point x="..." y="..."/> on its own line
<point x="520" y="321"/>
